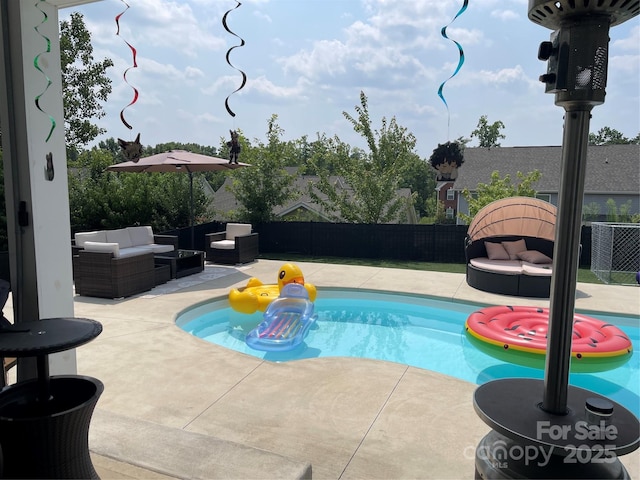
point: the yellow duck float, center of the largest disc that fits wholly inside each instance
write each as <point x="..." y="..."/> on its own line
<point x="257" y="296"/>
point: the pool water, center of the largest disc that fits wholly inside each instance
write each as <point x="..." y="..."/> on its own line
<point x="413" y="330"/>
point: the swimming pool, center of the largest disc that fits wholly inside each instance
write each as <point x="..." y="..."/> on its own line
<point x="409" y="329"/>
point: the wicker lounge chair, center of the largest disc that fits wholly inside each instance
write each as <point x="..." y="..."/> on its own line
<point x="235" y="245"/>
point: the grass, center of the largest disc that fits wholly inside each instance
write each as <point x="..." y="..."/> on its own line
<point x="584" y="274"/>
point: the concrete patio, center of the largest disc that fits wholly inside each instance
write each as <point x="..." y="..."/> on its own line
<point x="175" y="406"/>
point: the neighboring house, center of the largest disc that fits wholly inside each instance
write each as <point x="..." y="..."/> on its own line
<point x="612" y="172"/>
<point x="301" y="208"/>
<point x="448" y="196"/>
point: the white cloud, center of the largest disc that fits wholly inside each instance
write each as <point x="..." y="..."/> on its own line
<point x="505" y="15"/>
<point x="263" y="16"/>
<point x="632" y="42"/>
<point x="497" y="77"/>
<point x="627" y="64"/>
<point x="264" y="86"/>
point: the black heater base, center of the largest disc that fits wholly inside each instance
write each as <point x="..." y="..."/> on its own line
<point x="499" y="457"/>
<point x="528" y="442"/>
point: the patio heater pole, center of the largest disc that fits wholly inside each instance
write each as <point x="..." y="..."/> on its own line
<point x="566" y="250"/>
<point x="577" y="55"/>
<point x="191" y="214"/>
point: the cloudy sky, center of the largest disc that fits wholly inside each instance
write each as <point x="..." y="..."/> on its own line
<point x="308" y="60"/>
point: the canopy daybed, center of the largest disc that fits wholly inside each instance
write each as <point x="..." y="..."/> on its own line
<point x="509" y="247"/>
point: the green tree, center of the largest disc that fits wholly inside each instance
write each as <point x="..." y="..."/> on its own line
<point x="591" y="212"/>
<point x="435" y="211"/>
<point x="622" y="214"/>
<point x="100" y="199"/>
<point x="318" y="155"/>
<point x="84" y="83"/>
<point x="611" y="136"/>
<point x="420" y="178"/>
<point x="265" y="184"/>
<point x="488" y="135"/>
<point x="498" y="188"/>
<point x="372" y="177"/>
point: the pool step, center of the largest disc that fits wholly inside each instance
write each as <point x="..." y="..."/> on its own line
<point x="182" y="454"/>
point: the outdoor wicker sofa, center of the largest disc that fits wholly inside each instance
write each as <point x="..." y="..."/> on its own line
<point x="237" y="244"/>
<point x="122" y="266"/>
<point x="103" y="275"/>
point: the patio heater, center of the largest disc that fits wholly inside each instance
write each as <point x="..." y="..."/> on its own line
<point x="548" y="428"/>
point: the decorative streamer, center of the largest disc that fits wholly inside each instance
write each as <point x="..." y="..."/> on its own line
<point x="134" y="65"/>
<point x="460" y="61"/>
<point x="36" y="64"/>
<point x="244" y="76"/>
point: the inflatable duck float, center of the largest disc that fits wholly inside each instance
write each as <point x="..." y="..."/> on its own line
<point x="257" y="296"/>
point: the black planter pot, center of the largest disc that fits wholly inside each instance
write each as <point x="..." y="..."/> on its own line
<point x="48" y="439"/>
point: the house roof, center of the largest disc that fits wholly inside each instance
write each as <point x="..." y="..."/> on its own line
<point x="224" y="201"/>
<point x="610" y="168"/>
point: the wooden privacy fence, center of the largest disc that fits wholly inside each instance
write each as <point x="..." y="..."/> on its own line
<point x="423" y="243"/>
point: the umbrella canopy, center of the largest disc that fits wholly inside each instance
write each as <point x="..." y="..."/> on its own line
<point x="179" y="161"/>
<point x="524" y="216"/>
<point x="176" y="161"/>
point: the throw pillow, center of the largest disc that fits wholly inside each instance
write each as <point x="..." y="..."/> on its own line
<point x="513" y="248"/>
<point x="495" y="251"/>
<point x="534" y="256"/>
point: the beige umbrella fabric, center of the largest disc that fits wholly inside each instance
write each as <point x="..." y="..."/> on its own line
<point x="178" y="161"/>
<point x="524" y="216"/>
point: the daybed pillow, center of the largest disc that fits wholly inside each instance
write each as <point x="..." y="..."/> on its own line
<point x="495" y="251"/>
<point x="534" y="256"/>
<point x="513" y="248"/>
<point x="103" y="247"/>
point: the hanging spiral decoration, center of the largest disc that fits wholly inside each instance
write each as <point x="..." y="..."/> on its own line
<point x="36" y="64"/>
<point x="134" y="65"/>
<point x="244" y="76"/>
<point x="443" y="32"/>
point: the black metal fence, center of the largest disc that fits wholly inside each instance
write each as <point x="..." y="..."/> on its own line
<point x="422" y="243"/>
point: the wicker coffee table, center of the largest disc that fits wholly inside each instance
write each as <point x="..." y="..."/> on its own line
<point x="182" y="262"/>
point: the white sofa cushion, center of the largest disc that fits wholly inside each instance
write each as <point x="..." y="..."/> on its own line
<point x="237" y="230"/>
<point x="157" y="248"/>
<point x="120" y="236"/>
<point x="224" y="244"/>
<point x="97" y="236"/>
<point x="131" y="251"/>
<point x="141" y="235"/>
<point x="102" y="247"/>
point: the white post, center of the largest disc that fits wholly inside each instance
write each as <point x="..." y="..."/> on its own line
<point x="37" y="197"/>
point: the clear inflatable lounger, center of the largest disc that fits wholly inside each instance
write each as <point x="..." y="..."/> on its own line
<point x="285" y="323"/>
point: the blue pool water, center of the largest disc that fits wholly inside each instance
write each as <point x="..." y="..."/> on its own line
<point x="413" y="330"/>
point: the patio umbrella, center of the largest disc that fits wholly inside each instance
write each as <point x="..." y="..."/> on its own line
<point x="179" y="161"/>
